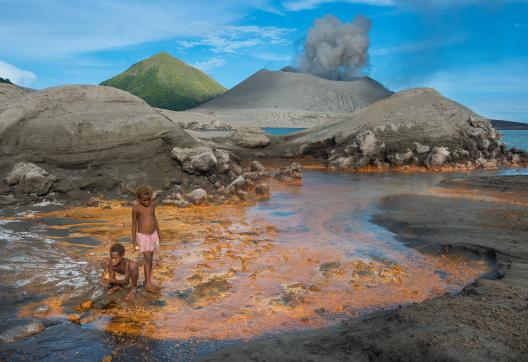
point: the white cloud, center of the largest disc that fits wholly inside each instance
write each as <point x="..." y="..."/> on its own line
<point x="229" y="39"/>
<point x="272" y="57"/>
<point x="35" y="28"/>
<point x="16" y="75"/>
<point x="297" y="5"/>
<point x="210" y="64"/>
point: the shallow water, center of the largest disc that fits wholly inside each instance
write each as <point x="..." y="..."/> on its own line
<point x="307" y="257"/>
<point x="281" y="131"/>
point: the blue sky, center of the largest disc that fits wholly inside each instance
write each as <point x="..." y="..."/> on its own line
<point x="473" y="51"/>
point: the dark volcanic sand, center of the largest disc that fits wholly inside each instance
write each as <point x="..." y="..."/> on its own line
<point x="488" y="320"/>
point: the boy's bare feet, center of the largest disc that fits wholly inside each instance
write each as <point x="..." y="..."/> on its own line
<point x="131" y="294"/>
<point x="151" y="288"/>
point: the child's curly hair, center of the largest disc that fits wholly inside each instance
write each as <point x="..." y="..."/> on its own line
<point x="119" y="248"/>
<point x="144" y="190"/>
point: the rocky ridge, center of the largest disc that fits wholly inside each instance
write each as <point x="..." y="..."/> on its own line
<point x="416" y="127"/>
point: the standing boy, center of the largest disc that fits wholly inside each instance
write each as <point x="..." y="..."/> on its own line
<point x="145" y="230"/>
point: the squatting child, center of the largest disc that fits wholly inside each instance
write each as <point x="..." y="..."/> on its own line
<point x="145" y="230"/>
<point x="117" y="263"/>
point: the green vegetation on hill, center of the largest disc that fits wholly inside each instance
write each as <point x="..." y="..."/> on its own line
<point x="166" y="82"/>
<point x="5" y="80"/>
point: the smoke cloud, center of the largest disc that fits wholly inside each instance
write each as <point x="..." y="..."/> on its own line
<point x="336" y="50"/>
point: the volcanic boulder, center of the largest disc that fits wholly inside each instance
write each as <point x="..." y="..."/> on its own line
<point x="28" y="178"/>
<point x="198" y="160"/>
<point x="250" y="137"/>
<point x="439" y="156"/>
<point x="197" y="196"/>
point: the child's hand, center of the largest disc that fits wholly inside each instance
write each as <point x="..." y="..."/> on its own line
<point x="136" y="247"/>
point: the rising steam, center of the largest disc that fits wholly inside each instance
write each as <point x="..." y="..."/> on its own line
<point x="336" y="50"/>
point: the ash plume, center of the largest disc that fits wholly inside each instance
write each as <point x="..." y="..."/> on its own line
<point x="336" y="50"/>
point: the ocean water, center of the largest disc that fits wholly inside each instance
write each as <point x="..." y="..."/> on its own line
<point x="512" y="138"/>
<point x="281" y="131"/>
<point x="515" y="138"/>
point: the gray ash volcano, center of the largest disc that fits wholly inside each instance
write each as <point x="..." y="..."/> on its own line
<point x="291" y="99"/>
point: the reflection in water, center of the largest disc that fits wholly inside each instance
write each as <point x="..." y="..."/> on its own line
<point x="305" y="258"/>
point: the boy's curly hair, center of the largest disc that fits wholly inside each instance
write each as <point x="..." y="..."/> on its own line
<point x="118" y="248"/>
<point x="144" y="190"/>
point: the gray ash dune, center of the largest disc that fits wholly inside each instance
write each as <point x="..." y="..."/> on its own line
<point x="81" y="125"/>
<point x="86" y="138"/>
<point x="10" y="92"/>
<point x="412" y="127"/>
<point x="289" y="99"/>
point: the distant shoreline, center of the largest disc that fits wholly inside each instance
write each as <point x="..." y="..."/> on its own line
<point x="507" y="125"/>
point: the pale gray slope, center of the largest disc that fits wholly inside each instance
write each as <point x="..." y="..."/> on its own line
<point x="415" y="115"/>
<point x="298" y="91"/>
<point x="84" y="125"/>
<point x="288" y="99"/>
<point x="10" y="92"/>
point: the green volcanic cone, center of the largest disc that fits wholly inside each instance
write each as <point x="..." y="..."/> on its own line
<point x="166" y="82"/>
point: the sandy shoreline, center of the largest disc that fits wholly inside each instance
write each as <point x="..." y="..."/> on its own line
<point x="488" y="320"/>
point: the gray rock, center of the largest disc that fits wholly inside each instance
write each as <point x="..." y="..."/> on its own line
<point x="238" y="182"/>
<point x="236" y="168"/>
<point x="19" y="332"/>
<point x="250" y="137"/>
<point x="262" y="189"/>
<point x="290" y="173"/>
<point x="257" y="166"/>
<point x="295" y="170"/>
<point x="28" y="178"/>
<point x="222" y="158"/>
<point x="367" y="143"/>
<point x="253" y="175"/>
<point x="460" y="154"/>
<point x="438" y="156"/>
<point x="420" y="149"/>
<point x="197" y="196"/>
<point x="196" y="160"/>
<point x="341" y="162"/>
